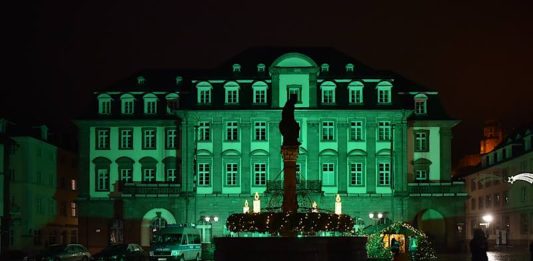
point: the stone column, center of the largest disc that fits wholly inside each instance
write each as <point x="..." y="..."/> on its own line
<point x="290" y="155"/>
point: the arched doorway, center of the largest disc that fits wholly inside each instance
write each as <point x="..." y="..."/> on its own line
<point x="154" y="220"/>
<point x="433" y="224"/>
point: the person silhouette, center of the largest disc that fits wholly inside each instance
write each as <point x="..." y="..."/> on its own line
<point x="479" y="246"/>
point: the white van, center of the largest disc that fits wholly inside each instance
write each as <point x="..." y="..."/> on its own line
<point x="176" y="243"/>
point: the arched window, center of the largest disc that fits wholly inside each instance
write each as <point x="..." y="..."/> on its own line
<point x="104" y="104"/>
<point x="260" y="92"/>
<point x="204" y="92"/>
<point x="327" y="90"/>
<point x="150" y="103"/>
<point x="171" y="174"/>
<point x="324" y="67"/>
<point x="384" y="92"/>
<point x="173" y="102"/>
<point x="349" y="67"/>
<point x="421" y="104"/>
<point x="232" y="93"/>
<point x="127" y="103"/>
<point x="355" y="92"/>
<point x="101" y="168"/>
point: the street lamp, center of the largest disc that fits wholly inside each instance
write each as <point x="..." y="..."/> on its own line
<point x="376" y="216"/>
<point x="487" y="218"/>
<point x="209" y="220"/>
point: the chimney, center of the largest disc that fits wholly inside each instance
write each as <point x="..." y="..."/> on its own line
<point x="44" y="132"/>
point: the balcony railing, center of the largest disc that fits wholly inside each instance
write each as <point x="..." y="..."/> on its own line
<point x="303" y="186"/>
<point x="148" y="189"/>
<point x="437" y="189"/>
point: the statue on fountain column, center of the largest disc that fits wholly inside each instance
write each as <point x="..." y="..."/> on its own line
<point x="289" y="128"/>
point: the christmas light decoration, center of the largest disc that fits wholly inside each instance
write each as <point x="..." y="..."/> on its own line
<point x="527" y="177"/>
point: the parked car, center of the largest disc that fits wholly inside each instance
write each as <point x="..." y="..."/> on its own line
<point x="69" y="252"/>
<point x="122" y="252"/>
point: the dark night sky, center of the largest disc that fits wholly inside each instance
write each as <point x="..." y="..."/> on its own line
<point x="477" y="54"/>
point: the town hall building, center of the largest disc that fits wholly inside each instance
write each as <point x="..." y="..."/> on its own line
<point x="177" y="146"/>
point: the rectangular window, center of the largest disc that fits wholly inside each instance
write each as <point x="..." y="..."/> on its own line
<point x="260" y="174"/>
<point x="105" y="106"/>
<point x="421" y="140"/>
<point x="204" y="133"/>
<point x="127" y="106"/>
<point x="231" y="174"/>
<point x="356" y="131"/>
<point x="171" y="176"/>
<point x="328" y="96"/>
<point x="421" y="174"/>
<point x="328" y="130"/>
<point x="232" y="131"/>
<point x="299" y="177"/>
<point x="204" y="174"/>
<point x="384" y="173"/>
<point x="73" y="211"/>
<point x="232" y="96"/>
<point x="102" y="180"/>
<point x="149" y="138"/>
<point x="356" y="174"/>
<point x="148" y="175"/>
<point x="150" y="107"/>
<point x="260" y="95"/>
<point x="102" y="139"/>
<point x="473" y="204"/>
<point x="384" y="131"/>
<point x="126" y="138"/>
<point x="170" y="140"/>
<point x="384" y="96"/>
<point x="420" y="106"/>
<point x="204" y="96"/>
<point x="126" y="175"/>
<point x="356" y="96"/>
<point x="328" y="174"/>
<point x="294" y="89"/>
<point x="260" y="131"/>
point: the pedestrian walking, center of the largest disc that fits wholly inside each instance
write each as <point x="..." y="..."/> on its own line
<point x="479" y="246"/>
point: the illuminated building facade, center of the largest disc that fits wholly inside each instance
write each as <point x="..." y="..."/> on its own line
<point x="491" y="193"/>
<point x="175" y="146"/>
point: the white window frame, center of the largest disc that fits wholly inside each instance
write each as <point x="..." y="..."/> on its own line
<point x="384" y="130"/>
<point x="232" y="174"/>
<point x="126" y="138"/>
<point x="328" y="131"/>
<point x="204" y="93"/>
<point x="171" y="175"/>
<point x="328" y="174"/>
<point x="355" y="93"/>
<point x="260" y="131"/>
<point x="102" y="180"/>
<point x="356" y="130"/>
<point x="204" y="131"/>
<point x="231" y="90"/>
<point x="170" y="139"/>
<point x="260" y="174"/>
<point x="204" y="174"/>
<point x="384" y="173"/>
<point x="421" y="141"/>
<point x="126" y="175"/>
<point x="232" y="131"/>
<point x="149" y="175"/>
<point x="356" y="173"/>
<point x="103" y="137"/>
<point x="384" y="93"/>
<point x="127" y="104"/>
<point x="260" y="93"/>
<point x="104" y="104"/>
<point x="421" y="104"/>
<point x="295" y="89"/>
<point x="327" y="92"/>
<point x="421" y="174"/>
<point x="149" y="138"/>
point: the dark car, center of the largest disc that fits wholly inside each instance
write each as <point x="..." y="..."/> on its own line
<point x="122" y="252"/>
<point x="74" y="252"/>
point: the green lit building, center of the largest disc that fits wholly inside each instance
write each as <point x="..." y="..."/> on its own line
<point x="174" y="146"/>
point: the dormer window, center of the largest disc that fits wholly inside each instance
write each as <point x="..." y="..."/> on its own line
<point x="127" y="104"/>
<point x="204" y="92"/>
<point x="355" y="92"/>
<point x="384" y="92"/>
<point x="349" y="67"/>
<point x="104" y="104"/>
<point x="232" y="93"/>
<point x="150" y="104"/>
<point x="236" y="67"/>
<point x="295" y="89"/>
<point x="141" y="80"/>
<point x="421" y="104"/>
<point x="179" y="80"/>
<point x="324" y="67"/>
<point x="261" y="67"/>
<point x="260" y="92"/>
<point x="328" y="92"/>
<point x="173" y="102"/>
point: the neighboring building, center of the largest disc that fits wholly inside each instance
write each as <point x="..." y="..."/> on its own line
<point x="174" y="146"/>
<point x="35" y="165"/>
<point x="491" y="193"/>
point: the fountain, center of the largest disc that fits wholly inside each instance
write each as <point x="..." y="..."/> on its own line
<point x="293" y="234"/>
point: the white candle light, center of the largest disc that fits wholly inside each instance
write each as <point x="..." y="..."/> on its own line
<point x="338" y="205"/>
<point x="257" y="203"/>
<point x="246" y="209"/>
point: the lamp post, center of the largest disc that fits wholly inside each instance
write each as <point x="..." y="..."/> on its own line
<point x="376" y="216"/>
<point x="488" y="219"/>
<point x="209" y="220"/>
